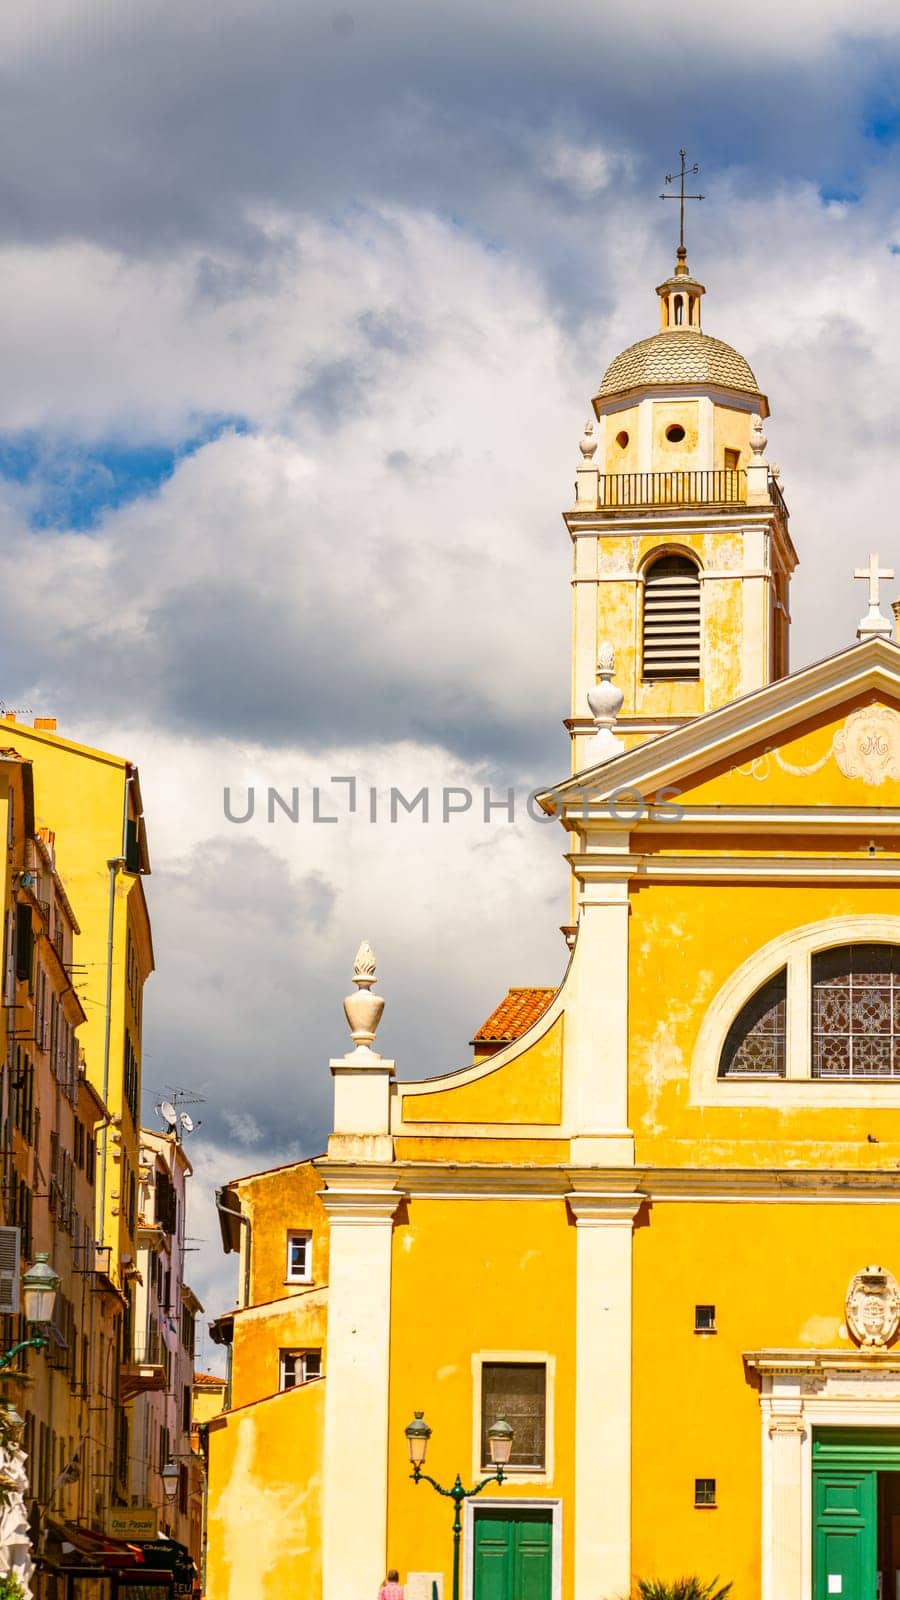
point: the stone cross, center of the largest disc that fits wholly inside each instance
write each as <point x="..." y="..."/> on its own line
<point x="874" y="624"/>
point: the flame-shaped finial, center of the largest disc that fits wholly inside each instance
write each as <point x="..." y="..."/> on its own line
<point x="363" y="1010"/>
<point x="364" y="966"/>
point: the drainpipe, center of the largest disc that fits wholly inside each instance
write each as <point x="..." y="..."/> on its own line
<point x="115" y="866"/>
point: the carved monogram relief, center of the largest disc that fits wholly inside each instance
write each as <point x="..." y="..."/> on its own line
<point x="873" y="1307"/>
<point x="868" y="745"/>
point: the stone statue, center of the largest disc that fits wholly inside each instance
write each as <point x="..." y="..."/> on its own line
<point x="15" y="1544"/>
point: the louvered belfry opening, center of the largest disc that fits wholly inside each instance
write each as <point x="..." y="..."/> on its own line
<point x="671" y="642"/>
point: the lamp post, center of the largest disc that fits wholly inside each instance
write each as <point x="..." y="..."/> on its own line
<point x="500" y="1438"/>
<point x="170" y="1475"/>
<point x="39" y="1290"/>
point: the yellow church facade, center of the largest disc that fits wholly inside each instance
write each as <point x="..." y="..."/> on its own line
<point x="654" y="1224"/>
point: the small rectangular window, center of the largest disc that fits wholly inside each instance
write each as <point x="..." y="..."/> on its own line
<point x="299" y="1257"/>
<point x="298" y="1366"/>
<point x="704" y="1319"/>
<point x="517" y="1392"/>
<point x="732" y="460"/>
<point x="704" y="1491"/>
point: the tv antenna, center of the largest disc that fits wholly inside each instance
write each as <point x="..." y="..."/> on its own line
<point x="177" y="1120"/>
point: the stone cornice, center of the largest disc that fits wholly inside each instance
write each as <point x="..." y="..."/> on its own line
<point x="736" y="869"/>
<point x="803" y="1363"/>
<point x="351" y="1190"/>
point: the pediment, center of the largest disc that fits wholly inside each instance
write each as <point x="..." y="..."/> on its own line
<point x="828" y="736"/>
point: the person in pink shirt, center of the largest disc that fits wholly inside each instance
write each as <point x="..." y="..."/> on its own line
<point x="392" y="1588"/>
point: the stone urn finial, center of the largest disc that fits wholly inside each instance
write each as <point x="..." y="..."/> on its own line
<point x="605" y="701"/>
<point x="758" y="440"/>
<point x="363" y="1010"/>
<point x="587" y="444"/>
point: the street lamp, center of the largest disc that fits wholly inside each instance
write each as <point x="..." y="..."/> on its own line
<point x="500" y="1438"/>
<point x="40" y="1286"/>
<point x="170" y="1476"/>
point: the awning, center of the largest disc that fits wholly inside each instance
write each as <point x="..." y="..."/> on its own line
<point x="91" y="1546"/>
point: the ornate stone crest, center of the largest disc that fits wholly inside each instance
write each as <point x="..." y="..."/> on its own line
<point x="873" y="1307"/>
<point x="868" y="745"/>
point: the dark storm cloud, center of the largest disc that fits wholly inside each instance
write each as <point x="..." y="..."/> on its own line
<point x="145" y="127"/>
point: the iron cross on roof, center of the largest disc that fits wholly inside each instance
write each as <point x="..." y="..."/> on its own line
<point x="685" y="172"/>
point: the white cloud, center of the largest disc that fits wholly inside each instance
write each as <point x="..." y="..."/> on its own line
<point x="410" y="299"/>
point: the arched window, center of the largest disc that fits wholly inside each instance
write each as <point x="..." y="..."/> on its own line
<point x="755" y="1046"/>
<point x="671" y="631"/>
<point x="679" y="311"/>
<point x="856" y="1012"/>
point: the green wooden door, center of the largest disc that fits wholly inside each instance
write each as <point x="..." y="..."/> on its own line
<point x="845" y="1539"/>
<point x="513" y="1554"/>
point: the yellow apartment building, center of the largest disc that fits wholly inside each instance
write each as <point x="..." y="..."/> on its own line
<point x="653" y="1223"/>
<point x="71" y="1048"/>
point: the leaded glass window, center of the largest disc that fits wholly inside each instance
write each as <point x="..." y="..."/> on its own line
<point x="856" y="1012"/>
<point x="755" y="1046"/>
<point x="516" y="1391"/>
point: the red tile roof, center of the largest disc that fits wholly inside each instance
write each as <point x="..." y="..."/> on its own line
<point x="514" y="1016"/>
<point x="208" y="1380"/>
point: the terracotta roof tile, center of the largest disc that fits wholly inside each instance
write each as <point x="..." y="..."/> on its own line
<point x="514" y="1015"/>
<point x="208" y="1380"/>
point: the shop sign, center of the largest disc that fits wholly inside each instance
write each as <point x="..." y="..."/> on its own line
<point x="132" y="1522"/>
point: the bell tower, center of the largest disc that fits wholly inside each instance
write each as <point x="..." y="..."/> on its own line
<point x="682" y="554"/>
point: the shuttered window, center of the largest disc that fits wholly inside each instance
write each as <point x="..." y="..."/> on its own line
<point x="672" y="619"/>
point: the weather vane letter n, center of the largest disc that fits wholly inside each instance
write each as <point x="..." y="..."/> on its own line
<point x="685" y="172"/>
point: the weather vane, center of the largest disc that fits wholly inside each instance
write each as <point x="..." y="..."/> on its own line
<point x="686" y="172"/>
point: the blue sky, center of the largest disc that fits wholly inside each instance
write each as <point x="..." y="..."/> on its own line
<point x="70" y="483"/>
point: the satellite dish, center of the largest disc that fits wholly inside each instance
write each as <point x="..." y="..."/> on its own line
<point x="169" y="1113"/>
<point x="187" y="1122"/>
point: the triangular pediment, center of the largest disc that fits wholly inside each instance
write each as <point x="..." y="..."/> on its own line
<point x="826" y="736"/>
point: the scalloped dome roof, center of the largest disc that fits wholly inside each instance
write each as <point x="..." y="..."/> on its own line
<point x="678" y="355"/>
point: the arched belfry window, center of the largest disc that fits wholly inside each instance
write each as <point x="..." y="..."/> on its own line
<point x="679" y="311"/>
<point x="756" y="1042"/>
<point x="856" y="1012"/>
<point x="671" y="631"/>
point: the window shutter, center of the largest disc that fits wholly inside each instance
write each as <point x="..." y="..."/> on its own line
<point x="24" y="943"/>
<point x="10" y="1247"/>
<point x="672" y="619"/>
<point x="132" y="846"/>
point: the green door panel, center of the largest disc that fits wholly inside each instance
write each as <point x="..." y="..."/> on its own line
<point x="844" y="1541"/>
<point x="513" y="1558"/>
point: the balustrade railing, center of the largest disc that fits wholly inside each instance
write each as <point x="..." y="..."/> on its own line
<point x="718" y="486"/>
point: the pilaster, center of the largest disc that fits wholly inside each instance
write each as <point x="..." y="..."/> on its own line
<point x="784" y="1480"/>
<point x="603" y="1393"/>
<point x="596" y="1037"/>
<point x="354" y="1467"/>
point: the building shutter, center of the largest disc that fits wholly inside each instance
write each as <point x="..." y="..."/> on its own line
<point x="672" y="619"/>
<point x="132" y="845"/>
<point x="10" y="1246"/>
<point x="24" y="943"/>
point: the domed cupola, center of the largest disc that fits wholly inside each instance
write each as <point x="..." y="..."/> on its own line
<point x="680" y="356"/>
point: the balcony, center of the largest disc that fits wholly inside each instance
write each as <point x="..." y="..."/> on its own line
<point x="625" y="491"/>
<point x="717" y="487"/>
<point x="144" y="1373"/>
